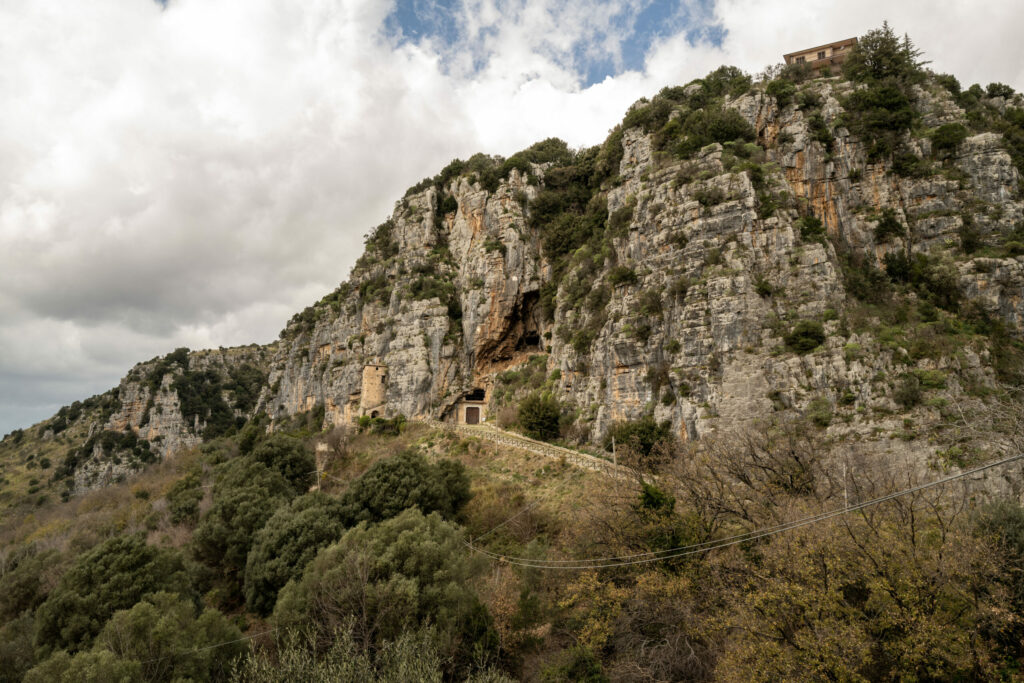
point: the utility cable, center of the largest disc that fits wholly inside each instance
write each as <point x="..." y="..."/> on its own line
<point x="680" y="551"/>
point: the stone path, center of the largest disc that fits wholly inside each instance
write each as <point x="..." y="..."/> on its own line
<point x="512" y="440"/>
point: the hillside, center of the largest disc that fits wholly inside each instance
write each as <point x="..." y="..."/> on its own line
<point x="670" y="271"/>
<point x="763" y="298"/>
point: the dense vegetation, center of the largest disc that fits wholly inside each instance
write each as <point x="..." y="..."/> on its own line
<point x="225" y="564"/>
<point x="372" y="579"/>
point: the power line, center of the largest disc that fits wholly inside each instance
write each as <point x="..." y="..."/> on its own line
<point x="681" y="551"/>
<point x="208" y="647"/>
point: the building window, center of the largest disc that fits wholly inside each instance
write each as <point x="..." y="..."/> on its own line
<point x="800" y="60"/>
<point x="821" y="55"/>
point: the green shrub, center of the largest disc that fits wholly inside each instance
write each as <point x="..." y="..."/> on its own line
<point x="288" y="541"/>
<point x="888" y="226"/>
<point x="389" y="578"/>
<point x="999" y="90"/>
<point x="583" y="339"/>
<point x="811" y="229"/>
<point x="245" y="495"/>
<point x="650" y="303"/>
<point x="679" y="287"/>
<point x="763" y="288"/>
<point x="712" y="124"/>
<point x="492" y="244"/>
<point x="113" y="576"/>
<point x="391" y="426"/>
<point x="403" y="481"/>
<point x="863" y="280"/>
<point x="577" y="664"/>
<point x="909" y="165"/>
<point x="907" y="391"/>
<point x="805" y="336"/>
<point x="290" y="457"/>
<point x="26" y="581"/>
<point x="709" y="196"/>
<point x="619" y="220"/>
<point x="539" y="416"/>
<point x="969" y="234"/>
<point x="820" y="132"/>
<point x="935" y="279"/>
<point x="819" y="411"/>
<point x="184" y="497"/>
<point x="622" y="275"/>
<point x="98" y="666"/>
<point x="172" y="641"/>
<point x="642" y="435"/>
<point x="782" y="90"/>
<point x="947" y="137"/>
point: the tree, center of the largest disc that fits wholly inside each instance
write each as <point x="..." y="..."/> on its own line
<point x="404" y="481"/>
<point x="245" y="495"/>
<point x="539" y="416"/>
<point x="286" y="544"/>
<point x="288" y="456"/>
<point x="412" y="657"/>
<point x="171" y="642"/>
<point x="642" y="436"/>
<point x="113" y="576"/>
<point x="24" y="586"/>
<point x="85" y="667"/>
<point x="805" y="336"/>
<point x="388" y="578"/>
<point x="880" y="54"/>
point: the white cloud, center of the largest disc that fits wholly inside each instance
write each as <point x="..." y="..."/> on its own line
<point x="192" y="176"/>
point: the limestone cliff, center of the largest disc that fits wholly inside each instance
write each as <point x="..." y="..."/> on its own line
<point x="656" y="276"/>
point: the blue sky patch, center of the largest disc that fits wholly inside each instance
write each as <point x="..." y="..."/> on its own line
<point x="634" y="30"/>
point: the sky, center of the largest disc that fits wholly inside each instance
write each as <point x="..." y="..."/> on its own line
<point x="193" y="172"/>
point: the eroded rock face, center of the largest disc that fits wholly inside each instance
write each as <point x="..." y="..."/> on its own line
<point x="696" y="336"/>
<point x="682" y="313"/>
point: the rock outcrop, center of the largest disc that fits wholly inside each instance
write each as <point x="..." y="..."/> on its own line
<point x="682" y="302"/>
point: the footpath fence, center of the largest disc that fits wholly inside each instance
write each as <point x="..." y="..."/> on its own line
<point x="512" y="440"/>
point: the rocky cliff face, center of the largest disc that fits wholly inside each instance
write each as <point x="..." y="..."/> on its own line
<point x="686" y="297"/>
<point x="713" y="274"/>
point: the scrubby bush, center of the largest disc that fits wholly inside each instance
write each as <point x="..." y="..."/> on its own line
<point x="539" y="416"/>
<point x="290" y="457"/>
<point x="805" y="336"/>
<point x="184" y="497"/>
<point x="113" y="576"/>
<point x="947" y="137"/>
<point x="172" y="641"/>
<point x="642" y="436"/>
<point x="619" y="220"/>
<point x="713" y="124"/>
<point x="286" y="544"/>
<point x="782" y="90"/>
<point x="101" y="666"/>
<point x="621" y="275"/>
<point x="811" y="229"/>
<point x="907" y="391"/>
<point x="245" y="494"/>
<point x="819" y="411"/>
<point x="26" y="580"/>
<point x="390" y="578"/>
<point x="404" y="481"/>
<point x="888" y="226"/>
<point x="935" y="279"/>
